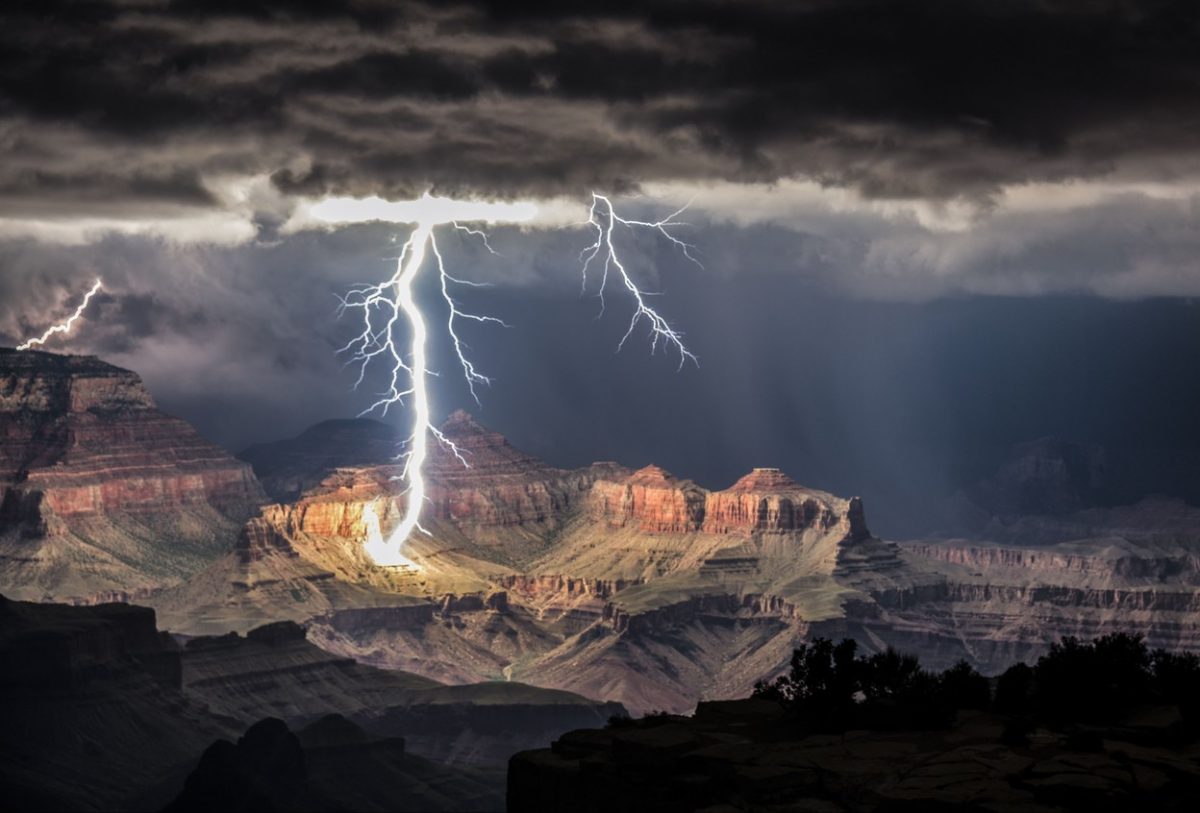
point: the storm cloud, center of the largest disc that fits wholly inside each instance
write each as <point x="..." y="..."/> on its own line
<point x="899" y="139"/>
<point x="140" y="104"/>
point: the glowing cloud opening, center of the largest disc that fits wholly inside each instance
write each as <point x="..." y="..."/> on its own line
<point x="64" y="327"/>
<point x="425" y="209"/>
<point x="395" y="301"/>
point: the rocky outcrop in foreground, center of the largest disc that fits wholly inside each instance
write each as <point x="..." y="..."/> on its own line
<point x="93" y="708"/>
<point x="103" y="712"/>
<point x="747" y="755"/>
<point x="100" y="491"/>
<point x="331" y="764"/>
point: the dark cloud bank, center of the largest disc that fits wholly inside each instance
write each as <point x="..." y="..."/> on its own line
<point x="893" y="352"/>
<point x="894" y="98"/>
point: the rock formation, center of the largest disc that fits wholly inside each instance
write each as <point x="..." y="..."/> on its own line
<point x="286" y="468"/>
<point x="642" y="587"/>
<point x="103" y="711"/>
<point x="769" y="500"/>
<point x="100" y="491"/>
<point x="650" y="498"/>
<point x="747" y="755"/>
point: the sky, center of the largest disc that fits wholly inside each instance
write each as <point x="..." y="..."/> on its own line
<point x="926" y="230"/>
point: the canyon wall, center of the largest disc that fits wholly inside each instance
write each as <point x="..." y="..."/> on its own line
<point x="765" y="500"/>
<point x="99" y="489"/>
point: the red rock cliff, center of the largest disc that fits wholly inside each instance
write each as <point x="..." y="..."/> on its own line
<point x="650" y="499"/>
<point x="86" y="456"/>
<point x="765" y="500"/>
<point x="89" y="438"/>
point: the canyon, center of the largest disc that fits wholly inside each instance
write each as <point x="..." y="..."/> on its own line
<point x="644" y="588"/>
<point x="162" y="597"/>
<point x="631" y="586"/>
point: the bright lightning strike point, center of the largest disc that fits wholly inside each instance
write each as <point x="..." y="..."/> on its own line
<point x="384" y="307"/>
<point x="375" y="545"/>
<point x="64" y="327"/>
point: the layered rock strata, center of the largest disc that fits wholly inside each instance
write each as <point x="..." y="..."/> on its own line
<point x="287" y="468"/>
<point x="99" y="489"/>
<point x="651" y="499"/>
<point x="768" y="500"/>
<point x="765" y="500"/>
<point x="642" y="587"/>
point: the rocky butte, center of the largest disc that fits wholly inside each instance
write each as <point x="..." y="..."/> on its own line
<point x="102" y="493"/>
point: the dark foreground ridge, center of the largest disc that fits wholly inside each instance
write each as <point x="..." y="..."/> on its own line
<point x="102" y="711"/>
<point x="1102" y="726"/>
<point x="332" y="764"/>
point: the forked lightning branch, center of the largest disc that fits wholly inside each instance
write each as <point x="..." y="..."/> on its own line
<point x="63" y="327"/>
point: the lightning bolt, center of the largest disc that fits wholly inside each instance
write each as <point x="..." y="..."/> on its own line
<point x="409" y="371"/>
<point x="605" y="220"/>
<point x="64" y="327"/>
<point x="388" y="306"/>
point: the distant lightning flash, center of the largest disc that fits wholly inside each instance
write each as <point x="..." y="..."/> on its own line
<point x="64" y="327"/>
<point x="387" y="306"/>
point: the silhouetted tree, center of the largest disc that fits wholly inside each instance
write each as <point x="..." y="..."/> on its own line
<point x="821" y="683"/>
<point x="1176" y="675"/>
<point x="832" y="688"/>
<point x="898" y="693"/>
<point x="1175" y="678"/>
<point x="962" y="687"/>
<point x="1078" y="681"/>
<point x="825" y="682"/>
<point x="1014" y="690"/>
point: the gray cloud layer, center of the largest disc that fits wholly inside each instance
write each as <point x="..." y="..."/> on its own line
<point x="915" y="143"/>
<point x="134" y="104"/>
